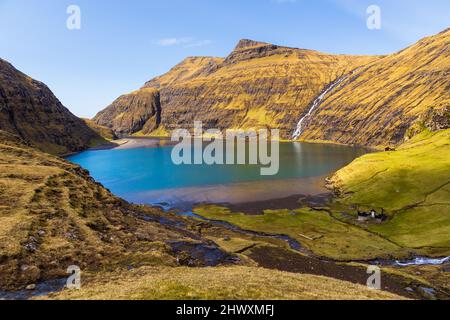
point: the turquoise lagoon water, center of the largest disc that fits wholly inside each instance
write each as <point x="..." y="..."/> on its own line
<point x="148" y="175"/>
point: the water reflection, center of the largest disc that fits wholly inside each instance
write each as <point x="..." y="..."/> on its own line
<point x="147" y="174"/>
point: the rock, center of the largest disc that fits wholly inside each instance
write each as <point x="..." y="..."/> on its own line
<point x="227" y="238"/>
<point x="409" y="289"/>
<point x="430" y="293"/>
<point x="445" y="268"/>
<point x="31" y="287"/>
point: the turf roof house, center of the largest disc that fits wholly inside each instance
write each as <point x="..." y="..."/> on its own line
<point x="372" y="215"/>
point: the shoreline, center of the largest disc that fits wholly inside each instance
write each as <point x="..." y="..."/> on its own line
<point x="151" y="142"/>
<point x="253" y="193"/>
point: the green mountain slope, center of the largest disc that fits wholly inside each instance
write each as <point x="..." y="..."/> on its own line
<point x="411" y="184"/>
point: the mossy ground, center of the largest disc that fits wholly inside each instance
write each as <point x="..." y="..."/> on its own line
<point x="318" y="231"/>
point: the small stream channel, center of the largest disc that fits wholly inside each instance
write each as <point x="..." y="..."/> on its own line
<point x="42" y="289"/>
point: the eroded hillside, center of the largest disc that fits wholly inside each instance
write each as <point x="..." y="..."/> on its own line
<point x="54" y="215"/>
<point x="30" y="110"/>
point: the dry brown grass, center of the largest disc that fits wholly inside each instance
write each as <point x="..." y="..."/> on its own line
<point x="53" y="215"/>
<point x="229" y="283"/>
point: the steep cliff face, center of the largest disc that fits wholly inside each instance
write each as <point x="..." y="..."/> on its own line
<point x="30" y="110"/>
<point x="258" y="85"/>
<point x="363" y="100"/>
<point x="139" y="111"/>
<point x="378" y="105"/>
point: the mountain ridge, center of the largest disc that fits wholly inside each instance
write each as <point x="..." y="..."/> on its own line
<point x="261" y="85"/>
<point x="29" y="109"/>
<point x="256" y="85"/>
<point x="385" y="101"/>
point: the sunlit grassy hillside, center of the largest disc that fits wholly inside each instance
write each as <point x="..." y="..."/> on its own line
<point x="411" y="184"/>
<point x="260" y="85"/>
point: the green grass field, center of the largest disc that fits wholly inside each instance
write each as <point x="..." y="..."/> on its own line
<point x="412" y="184"/>
<point x="315" y="230"/>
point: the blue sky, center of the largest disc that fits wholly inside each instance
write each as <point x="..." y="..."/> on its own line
<point x="122" y="44"/>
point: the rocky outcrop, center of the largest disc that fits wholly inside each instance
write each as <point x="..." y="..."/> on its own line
<point x="436" y="120"/>
<point x="137" y="112"/>
<point x="104" y="132"/>
<point x="30" y="110"/>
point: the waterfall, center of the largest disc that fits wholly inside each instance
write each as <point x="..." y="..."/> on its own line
<point x="315" y="104"/>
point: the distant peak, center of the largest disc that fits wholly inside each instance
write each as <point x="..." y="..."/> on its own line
<point x="246" y="43"/>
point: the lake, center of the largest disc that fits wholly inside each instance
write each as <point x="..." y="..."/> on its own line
<point x="144" y="173"/>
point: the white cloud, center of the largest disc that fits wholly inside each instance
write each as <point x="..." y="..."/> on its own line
<point x="167" y="42"/>
<point x="186" y="42"/>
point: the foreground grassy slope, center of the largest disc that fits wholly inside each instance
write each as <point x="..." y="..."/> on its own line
<point x="53" y="215"/>
<point x="378" y="104"/>
<point x="223" y="283"/>
<point x="412" y="184"/>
